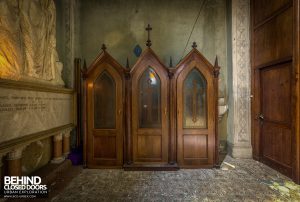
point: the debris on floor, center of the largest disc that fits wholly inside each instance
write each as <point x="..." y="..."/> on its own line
<point x="227" y="166"/>
<point x="285" y="188"/>
<point x="246" y="181"/>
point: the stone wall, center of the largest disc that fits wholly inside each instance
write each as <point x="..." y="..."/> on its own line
<point x="33" y="103"/>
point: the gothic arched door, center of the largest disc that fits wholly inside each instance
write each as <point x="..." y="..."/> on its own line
<point x="105" y="128"/>
<point x="150" y="108"/>
<point x="196" y="112"/>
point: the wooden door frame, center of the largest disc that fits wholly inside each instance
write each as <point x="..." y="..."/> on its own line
<point x="255" y="138"/>
<point x="149" y="59"/>
<point x="195" y="58"/>
<point x="296" y="94"/>
<point x="102" y="59"/>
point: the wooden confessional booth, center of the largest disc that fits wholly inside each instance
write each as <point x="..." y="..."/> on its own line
<point x="151" y="117"/>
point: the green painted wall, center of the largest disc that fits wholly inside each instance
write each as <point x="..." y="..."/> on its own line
<point x="230" y="121"/>
<point x="121" y="26"/>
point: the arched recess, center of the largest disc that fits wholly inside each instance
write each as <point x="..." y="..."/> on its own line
<point x="150" y="112"/>
<point x="105" y="93"/>
<point x="195" y="93"/>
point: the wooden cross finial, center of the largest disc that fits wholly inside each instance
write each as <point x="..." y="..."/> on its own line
<point x="194" y="45"/>
<point x="103" y="47"/>
<point x="148" y="29"/>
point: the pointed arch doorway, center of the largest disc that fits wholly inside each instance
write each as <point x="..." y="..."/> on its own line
<point x="105" y="122"/>
<point x="150" y="107"/>
<point x="151" y="117"/>
<point x="195" y="82"/>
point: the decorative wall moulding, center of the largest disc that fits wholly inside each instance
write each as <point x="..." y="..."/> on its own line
<point x="24" y="85"/>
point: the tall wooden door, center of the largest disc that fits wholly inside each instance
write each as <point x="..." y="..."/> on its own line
<point x="149" y="111"/>
<point x="196" y="113"/>
<point x="274" y="119"/>
<point x="104" y="116"/>
<point x="273" y="83"/>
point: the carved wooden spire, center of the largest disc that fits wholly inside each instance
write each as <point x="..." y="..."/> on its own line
<point x="103" y="47"/>
<point x="194" y="45"/>
<point x="216" y="62"/>
<point x="148" y="29"/>
<point x="216" y="68"/>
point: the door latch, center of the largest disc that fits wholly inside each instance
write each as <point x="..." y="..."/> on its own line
<point x="261" y="117"/>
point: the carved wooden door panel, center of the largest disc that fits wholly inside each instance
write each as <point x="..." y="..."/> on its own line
<point x="195" y="118"/>
<point x="150" y="115"/>
<point x="275" y="118"/>
<point x="273" y="112"/>
<point x="105" y="118"/>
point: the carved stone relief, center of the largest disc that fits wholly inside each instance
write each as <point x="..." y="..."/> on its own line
<point x="28" y="41"/>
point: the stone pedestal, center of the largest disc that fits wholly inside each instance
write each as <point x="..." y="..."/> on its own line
<point x="57" y="149"/>
<point x="14" y="162"/>
<point x="66" y="143"/>
<point x="239" y="118"/>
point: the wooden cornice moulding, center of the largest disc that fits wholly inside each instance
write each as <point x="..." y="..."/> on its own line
<point x="105" y="57"/>
<point x="25" y="85"/>
<point x="9" y="145"/>
<point x="193" y="55"/>
<point x="146" y="56"/>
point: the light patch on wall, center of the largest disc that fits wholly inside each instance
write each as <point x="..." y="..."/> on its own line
<point x="4" y="71"/>
<point x="113" y="38"/>
<point x="137" y="27"/>
<point x="8" y="65"/>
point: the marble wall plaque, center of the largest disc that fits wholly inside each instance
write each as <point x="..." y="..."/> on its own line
<point x="24" y="112"/>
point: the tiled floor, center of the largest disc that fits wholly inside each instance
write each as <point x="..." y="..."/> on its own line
<point x="248" y="181"/>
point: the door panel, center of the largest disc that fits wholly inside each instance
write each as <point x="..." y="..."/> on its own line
<point x="149" y="100"/>
<point x="150" y="124"/>
<point x="105" y="118"/>
<point x="273" y="44"/>
<point x="276" y="94"/>
<point x="195" y="118"/>
<point x="264" y="8"/>
<point x="194" y="103"/>
<point x="275" y="118"/>
<point x="277" y="141"/>
<point x="274" y="41"/>
<point x="104" y="102"/>
<point x="195" y="146"/>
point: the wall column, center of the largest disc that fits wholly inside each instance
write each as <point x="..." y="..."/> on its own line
<point x="14" y="162"/>
<point x="57" y="149"/>
<point x="66" y="143"/>
<point x="239" y="121"/>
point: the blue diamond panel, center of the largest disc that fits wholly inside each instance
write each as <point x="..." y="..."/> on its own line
<point x="137" y="50"/>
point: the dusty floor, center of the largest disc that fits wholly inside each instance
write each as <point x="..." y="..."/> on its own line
<point x="248" y="181"/>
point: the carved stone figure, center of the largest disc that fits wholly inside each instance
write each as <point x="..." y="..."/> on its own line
<point x="28" y="48"/>
<point x="10" y="50"/>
